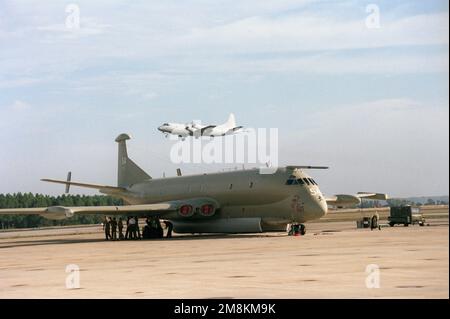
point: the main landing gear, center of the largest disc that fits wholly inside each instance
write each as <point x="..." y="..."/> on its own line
<point x="297" y="230"/>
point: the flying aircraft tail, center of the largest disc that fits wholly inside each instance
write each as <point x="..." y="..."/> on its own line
<point x="128" y="172"/>
<point x="231" y="122"/>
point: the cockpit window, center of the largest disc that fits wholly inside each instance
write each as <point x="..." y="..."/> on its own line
<point x="166" y="124"/>
<point x="292" y="180"/>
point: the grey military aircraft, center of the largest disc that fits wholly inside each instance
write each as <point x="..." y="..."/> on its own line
<point x="243" y="201"/>
<point x="197" y="130"/>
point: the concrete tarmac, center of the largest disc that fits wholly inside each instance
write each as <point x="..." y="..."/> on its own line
<point x="333" y="260"/>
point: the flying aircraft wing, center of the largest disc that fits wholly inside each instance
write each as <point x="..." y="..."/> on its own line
<point x="207" y="129"/>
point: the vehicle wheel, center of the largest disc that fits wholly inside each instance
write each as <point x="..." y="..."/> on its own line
<point x="391" y="224"/>
<point x="302" y="230"/>
<point x="406" y="225"/>
<point x="374" y="222"/>
<point x="421" y="224"/>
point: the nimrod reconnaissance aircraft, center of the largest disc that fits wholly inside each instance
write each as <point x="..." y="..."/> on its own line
<point x="227" y="202"/>
<point x="197" y="130"/>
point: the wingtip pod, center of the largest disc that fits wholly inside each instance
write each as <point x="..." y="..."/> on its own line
<point x="122" y="137"/>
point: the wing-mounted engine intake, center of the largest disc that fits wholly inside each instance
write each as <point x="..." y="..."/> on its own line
<point x="205" y="207"/>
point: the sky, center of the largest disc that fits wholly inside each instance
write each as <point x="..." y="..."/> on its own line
<point x="359" y="86"/>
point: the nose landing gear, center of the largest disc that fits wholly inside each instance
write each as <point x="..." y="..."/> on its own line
<point x="297" y="230"/>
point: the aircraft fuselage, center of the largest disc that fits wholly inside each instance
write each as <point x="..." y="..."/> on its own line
<point x="241" y="194"/>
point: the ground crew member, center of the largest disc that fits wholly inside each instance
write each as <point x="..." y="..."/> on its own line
<point x="138" y="231"/>
<point x="107" y="228"/>
<point x="114" y="228"/>
<point x="120" y="226"/>
<point x="169" y="227"/>
<point x="132" y="228"/>
<point x="128" y="231"/>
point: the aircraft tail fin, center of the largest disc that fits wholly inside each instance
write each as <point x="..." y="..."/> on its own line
<point x="128" y="172"/>
<point x="231" y="122"/>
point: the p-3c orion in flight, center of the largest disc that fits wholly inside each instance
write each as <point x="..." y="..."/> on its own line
<point x="197" y="130"/>
<point x="242" y="201"/>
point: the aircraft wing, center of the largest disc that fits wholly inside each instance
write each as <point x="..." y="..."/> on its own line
<point x="345" y="200"/>
<point x="62" y="212"/>
<point x="207" y="129"/>
<point x="374" y="196"/>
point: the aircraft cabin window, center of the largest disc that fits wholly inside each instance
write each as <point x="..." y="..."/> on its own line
<point x="312" y="181"/>
<point x="306" y="181"/>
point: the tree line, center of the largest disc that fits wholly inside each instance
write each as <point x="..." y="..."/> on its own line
<point x="29" y="200"/>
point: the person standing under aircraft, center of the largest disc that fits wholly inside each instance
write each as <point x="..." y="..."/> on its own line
<point x="114" y="229"/>
<point x="128" y="231"/>
<point x="169" y="227"/>
<point x="107" y="228"/>
<point x="138" y="231"/>
<point x="120" y="227"/>
<point x="132" y="227"/>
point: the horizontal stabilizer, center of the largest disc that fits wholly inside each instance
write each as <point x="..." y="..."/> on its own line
<point x="102" y="188"/>
<point x="306" y="167"/>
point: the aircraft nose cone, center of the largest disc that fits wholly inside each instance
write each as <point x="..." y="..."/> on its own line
<point x="161" y="128"/>
<point x="322" y="205"/>
<point x="317" y="207"/>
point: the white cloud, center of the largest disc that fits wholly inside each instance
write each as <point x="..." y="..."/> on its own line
<point x="312" y="33"/>
<point x="187" y="37"/>
<point x="88" y="27"/>
<point x="19" y="106"/>
<point x="18" y="82"/>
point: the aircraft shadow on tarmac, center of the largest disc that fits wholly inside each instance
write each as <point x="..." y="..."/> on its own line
<point x="27" y="243"/>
